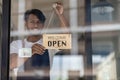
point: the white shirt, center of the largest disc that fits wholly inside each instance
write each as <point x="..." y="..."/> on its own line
<point x="18" y="44"/>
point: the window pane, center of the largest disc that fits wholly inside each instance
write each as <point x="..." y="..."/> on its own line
<point x="105" y="39"/>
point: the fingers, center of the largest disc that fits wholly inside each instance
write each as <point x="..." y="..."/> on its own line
<point x="59" y="3"/>
<point x="58" y="7"/>
<point x="39" y="46"/>
<point x="38" y="49"/>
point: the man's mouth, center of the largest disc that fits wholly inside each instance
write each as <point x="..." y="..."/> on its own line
<point x="36" y="29"/>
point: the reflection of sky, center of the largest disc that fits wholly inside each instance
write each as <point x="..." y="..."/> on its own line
<point x="102" y="48"/>
<point x="62" y="64"/>
<point x="97" y="58"/>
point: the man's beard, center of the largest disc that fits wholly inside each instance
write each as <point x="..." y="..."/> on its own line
<point x="35" y="32"/>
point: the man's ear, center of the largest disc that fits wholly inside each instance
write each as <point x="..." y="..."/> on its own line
<point x="25" y="24"/>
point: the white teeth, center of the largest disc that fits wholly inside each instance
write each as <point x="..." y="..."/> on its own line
<point x="35" y="29"/>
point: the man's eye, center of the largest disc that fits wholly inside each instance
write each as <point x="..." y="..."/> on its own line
<point x="38" y="22"/>
<point x="31" y="21"/>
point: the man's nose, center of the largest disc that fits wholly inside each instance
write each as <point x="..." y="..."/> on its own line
<point x="36" y="25"/>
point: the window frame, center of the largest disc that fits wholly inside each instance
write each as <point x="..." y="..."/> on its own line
<point x="5" y="38"/>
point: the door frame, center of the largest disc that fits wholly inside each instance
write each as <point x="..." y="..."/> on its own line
<point x="5" y="36"/>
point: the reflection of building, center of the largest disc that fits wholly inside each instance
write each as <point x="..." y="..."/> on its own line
<point x="67" y="67"/>
<point x="107" y="69"/>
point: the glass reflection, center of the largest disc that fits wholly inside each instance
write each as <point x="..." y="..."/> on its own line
<point x="68" y="64"/>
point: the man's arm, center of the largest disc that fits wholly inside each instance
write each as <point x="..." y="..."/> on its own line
<point x="58" y="7"/>
<point x="14" y="59"/>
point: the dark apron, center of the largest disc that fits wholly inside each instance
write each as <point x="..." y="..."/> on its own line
<point x="39" y="63"/>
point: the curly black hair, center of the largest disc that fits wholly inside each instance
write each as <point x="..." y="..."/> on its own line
<point x="36" y="12"/>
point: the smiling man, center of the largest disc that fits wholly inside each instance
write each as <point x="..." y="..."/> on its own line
<point x="41" y="58"/>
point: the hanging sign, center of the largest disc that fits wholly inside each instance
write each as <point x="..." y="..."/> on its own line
<point x="57" y="41"/>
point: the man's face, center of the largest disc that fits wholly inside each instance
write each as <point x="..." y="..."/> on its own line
<point x="33" y="23"/>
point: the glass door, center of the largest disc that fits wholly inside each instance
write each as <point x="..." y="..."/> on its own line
<point x="26" y="55"/>
<point x="31" y="21"/>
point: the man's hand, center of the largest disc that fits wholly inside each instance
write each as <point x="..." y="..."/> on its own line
<point x="38" y="49"/>
<point x="58" y="8"/>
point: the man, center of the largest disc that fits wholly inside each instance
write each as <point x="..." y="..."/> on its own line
<point x="41" y="57"/>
